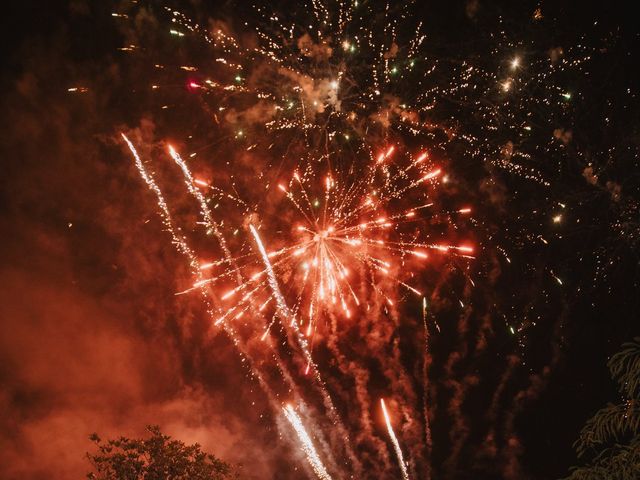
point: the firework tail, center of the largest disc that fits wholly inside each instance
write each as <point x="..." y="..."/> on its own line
<point x="305" y="443"/>
<point x="394" y="441"/>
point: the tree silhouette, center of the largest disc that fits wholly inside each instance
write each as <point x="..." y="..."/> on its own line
<point x="157" y="457"/>
<point x="609" y="443"/>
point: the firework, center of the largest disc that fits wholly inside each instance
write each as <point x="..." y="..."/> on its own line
<point x="394" y="441"/>
<point x="306" y="443"/>
<point x="343" y="235"/>
<point x="323" y="172"/>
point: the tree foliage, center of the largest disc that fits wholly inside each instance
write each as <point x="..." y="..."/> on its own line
<point x="609" y="443"/>
<point x="157" y="457"/>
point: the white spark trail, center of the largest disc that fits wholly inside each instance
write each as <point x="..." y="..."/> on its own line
<point x="283" y="309"/>
<point x="394" y="441"/>
<point x="307" y="444"/>
<point x="206" y="212"/>
<point x="178" y="240"/>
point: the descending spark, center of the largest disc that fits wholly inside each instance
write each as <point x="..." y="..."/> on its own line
<point x="283" y="309"/>
<point x="178" y="240"/>
<point x="307" y="444"/>
<point x="204" y="208"/>
<point x="394" y="441"/>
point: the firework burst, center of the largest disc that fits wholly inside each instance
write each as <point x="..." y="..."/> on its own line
<point x="329" y="194"/>
<point x="340" y="236"/>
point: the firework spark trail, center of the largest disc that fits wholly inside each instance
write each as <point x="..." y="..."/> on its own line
<point x="204" y="208"/>
<point x="283" y="308"/>
<point x="302" y="342"/>
<point x="178" y="241"/>
<point x="307" y="444"/>
<point x="394" y="441"/>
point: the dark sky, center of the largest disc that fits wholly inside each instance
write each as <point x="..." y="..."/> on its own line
<point x="92" y="337"/>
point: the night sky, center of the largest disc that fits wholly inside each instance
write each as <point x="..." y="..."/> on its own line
<point x="93" y="337"/>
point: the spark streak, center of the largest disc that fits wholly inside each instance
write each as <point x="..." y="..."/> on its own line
<point x="394" y="441"/>
<point x="307" y="444"/>
<point x="283" y="309"/>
